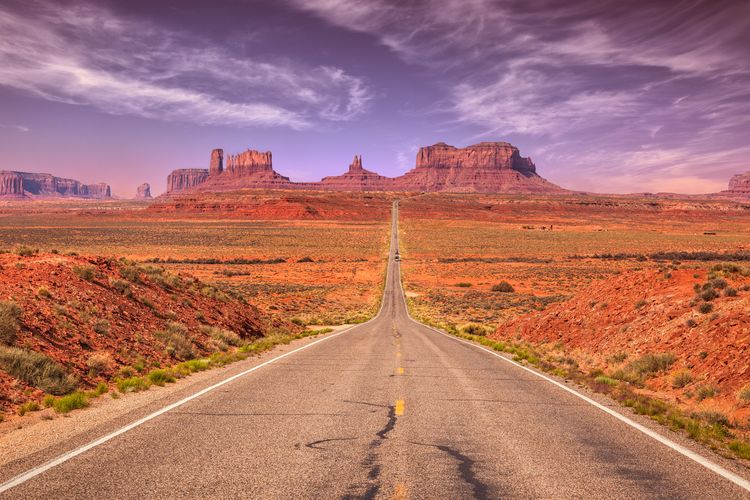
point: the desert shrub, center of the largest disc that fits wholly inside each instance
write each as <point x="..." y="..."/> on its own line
<point x="100" y="363"/>
<point x="681" y="379"/>
<point x="742" y="450"/>
<point x="298" y="321"/>
<point x="691" y="323"/>
<point x="709" y="294"/>
<point x="640" y="304"/>
<point x="706" y="391"/>
<point x="102" y="327"/>
<point x="175" y="339"/>
<point x="619" y="357"/>
<point x="697" y="288"/>
<point x="463" y="284"/>
<point x="44" y="292"/>
<point x="730" y="292"/>
<point x="718" y="283"/>
<point x="160" y="377"/>
<point x="503" y="287"/>
<point x="744" y="394"/>
<point x="10" y="313"/>
<point x="603" y="379"/>
<point x="475" y="329"/>
<point x="713" y="417"/>
<point x="227" y="337"/>
<point x="71" y="402"/>
<point x="36" y="370"/>
<point x="87" y="273"/>
<point x="130" y="273"/>
<point x="27" y="407"/>
<point x="706" y="307"/>
<point x="101" y="388"/>
<point x="25" y="251"/>
<point x="305" y="259"/>
<point x="649" y="364"/>
<point x="122" y="286"/>
<point x="131" y="384"/>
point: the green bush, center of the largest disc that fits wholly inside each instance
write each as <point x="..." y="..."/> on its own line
<point x="175" y="339"/>
<point x="132" y="384"/>
<point x="475" y="329"/>
<point x="25" y="251"/>
<point x="227" y="337"/>
<point x="681" y="379"/>
<point x="160" y="377"/>
<point x="744" y="394"/>
<point x="706" y="308"/>
<point x="10" y="313"/>
<point x="71" y="402"/>
<point x="503" y="287"/>
<point x="36" y="370"/>
<point x="122" y="286"/>
<point x="27" y="407"/>
<point x="707" y="391"/>
<point x="87" y="273"/>
<point x="648" y="364"/>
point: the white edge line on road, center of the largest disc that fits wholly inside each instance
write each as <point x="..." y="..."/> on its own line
<point x="726" y="474"/>
<point x="31" y="473"/>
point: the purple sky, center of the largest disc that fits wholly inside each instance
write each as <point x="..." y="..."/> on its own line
<point x="604" y="95"/>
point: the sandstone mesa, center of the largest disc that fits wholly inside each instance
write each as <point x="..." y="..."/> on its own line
<point x="487" y="167"/>
<point x="33" y="185"/>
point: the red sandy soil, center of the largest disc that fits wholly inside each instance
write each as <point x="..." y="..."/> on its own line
<point x="61" y="326"/>
<point x="278" y="205"/>
<point x="607" y="318"/>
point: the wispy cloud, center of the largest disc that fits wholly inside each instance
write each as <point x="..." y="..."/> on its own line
<point x="84" y="54"/>
<point x="19" y="128"/>
<point x="590" y="76"/>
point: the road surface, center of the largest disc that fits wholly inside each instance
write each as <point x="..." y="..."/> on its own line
<point x="388" y="409"/>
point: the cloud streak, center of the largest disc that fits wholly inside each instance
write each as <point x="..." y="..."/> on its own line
<point x="86" y="55"/>
<point x="595" y="78"/>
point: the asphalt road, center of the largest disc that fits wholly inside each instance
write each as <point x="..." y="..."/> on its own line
<point x="389" y="409"/>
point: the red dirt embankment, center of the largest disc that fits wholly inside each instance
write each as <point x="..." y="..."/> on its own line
<point x="656" y="311"/>
<point x="96" y="315"/>
<point x="277" y="205"/>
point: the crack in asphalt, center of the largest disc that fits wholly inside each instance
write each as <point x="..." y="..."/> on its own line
<point x="465" y="469"/>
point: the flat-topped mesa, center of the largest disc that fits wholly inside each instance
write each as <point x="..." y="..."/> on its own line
<point x="30" y="184"/>
<point x="184" y="179"/>
<point x="485" y="155"/>
<point x="248" y="163"/>
<point x="490" y="167"/>
<point x="739" y="184"/>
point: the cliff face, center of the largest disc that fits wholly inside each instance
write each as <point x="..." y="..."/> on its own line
<point x="485" y="167"/>
<point x="11" y="183"/>
<point x="143" y="192"/>
<point x="490" y="167"/>
<point x="250" y="169"/>
<point x="23" y="184"/>
<point x="739" y="184"/>
<point x="184" y="179"/>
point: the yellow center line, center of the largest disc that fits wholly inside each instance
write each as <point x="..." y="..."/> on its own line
<point x="399" y="407"/>
<point x="400" y="370"/>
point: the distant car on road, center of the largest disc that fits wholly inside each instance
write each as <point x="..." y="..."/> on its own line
<point x="397" y="256"/>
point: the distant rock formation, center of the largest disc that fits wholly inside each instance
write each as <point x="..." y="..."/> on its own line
<point x="357" y="178"/>
<point x="490" y="167"/>
<point x="26" y="184"/>
<point x="739" y="185"/>
<point x="184" y="179"/>
<point x="143" y="192"/>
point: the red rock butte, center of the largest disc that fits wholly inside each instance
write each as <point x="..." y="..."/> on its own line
<point x="32" y="185"/>
<point x="487" y="167"/>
